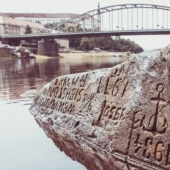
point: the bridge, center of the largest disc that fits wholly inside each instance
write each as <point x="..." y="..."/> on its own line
<point x="115" y="20"/>
<point x="87" y="34"/>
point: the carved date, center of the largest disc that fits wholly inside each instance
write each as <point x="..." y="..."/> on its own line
<point x="152" y="148"/>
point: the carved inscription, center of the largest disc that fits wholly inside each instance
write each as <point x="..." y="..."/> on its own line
<point x="69" y="89"/>
<point x="103" y="83"/>
<point x="67" y="93"/>
<point x="111" y="115"/>
<point x="157" y="121"/>
<point x="118" y="71"/>
<point x="113" y="86"/>
<point x="116" y="86"/>
<point x="63" y="94"/>
<point x="150" y="147"/>
<point x="153" y="121"/>
<point x="59" y="105"/>
<point x="86" y="103"/>
<point x="112" y="112"/>
<point x="78" y="81"/>
<point x="66" y="90"/>
<point x="150" y="131"/>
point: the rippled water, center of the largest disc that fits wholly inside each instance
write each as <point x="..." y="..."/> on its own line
<point x="23" y="145"/>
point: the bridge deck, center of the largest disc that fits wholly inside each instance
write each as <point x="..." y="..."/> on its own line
<point x="87" y="34"/>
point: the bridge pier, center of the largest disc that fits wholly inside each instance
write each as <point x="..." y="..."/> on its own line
<point x="47" y="47"/>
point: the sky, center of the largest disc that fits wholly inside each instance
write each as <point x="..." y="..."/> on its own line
<point x="82" y="6"/>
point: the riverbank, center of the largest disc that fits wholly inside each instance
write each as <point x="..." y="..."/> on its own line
<point x="7" y="53"/>
<point x="93" y="54"/>
<point x="74" y="55"/>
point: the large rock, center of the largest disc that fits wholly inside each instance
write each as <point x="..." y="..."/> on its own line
<point x="111" y="119"/>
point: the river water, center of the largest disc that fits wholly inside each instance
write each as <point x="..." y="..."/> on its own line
<point x="23" y="144"/>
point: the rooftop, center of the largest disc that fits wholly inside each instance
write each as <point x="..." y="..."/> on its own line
<point x="39" y="15"/>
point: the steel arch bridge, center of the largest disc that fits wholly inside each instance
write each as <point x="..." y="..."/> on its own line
<point x="115" y="20"/>
<point x="120" y="17"/>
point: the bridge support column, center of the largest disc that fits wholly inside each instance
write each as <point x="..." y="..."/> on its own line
<point x="47" y="47"/>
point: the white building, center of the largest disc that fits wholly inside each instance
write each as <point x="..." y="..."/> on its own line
<point x="88" y="21"/>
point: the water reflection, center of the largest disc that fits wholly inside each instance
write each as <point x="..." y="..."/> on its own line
<point x="20" y="75"/>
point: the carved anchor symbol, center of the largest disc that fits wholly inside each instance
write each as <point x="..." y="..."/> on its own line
<point x="153" y="121"/>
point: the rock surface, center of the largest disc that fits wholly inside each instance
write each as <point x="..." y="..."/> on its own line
<point x="111" y="119"/>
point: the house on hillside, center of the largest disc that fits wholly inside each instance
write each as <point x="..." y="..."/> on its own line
<point x="12" y="26"/>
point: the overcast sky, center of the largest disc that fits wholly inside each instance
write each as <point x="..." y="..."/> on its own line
<point x="81" y="6"/>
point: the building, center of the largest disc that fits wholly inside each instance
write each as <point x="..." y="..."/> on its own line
<point x="45" y="18"/>
<point x="10" y="25"/>
<point x="89" y="22"/>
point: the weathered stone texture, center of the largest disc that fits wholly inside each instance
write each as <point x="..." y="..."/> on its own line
<point x="110" y="119"/>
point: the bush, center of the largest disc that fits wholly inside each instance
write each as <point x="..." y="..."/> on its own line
<point x="85" y="44"/>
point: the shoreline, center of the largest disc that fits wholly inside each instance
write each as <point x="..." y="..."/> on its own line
<point x="79" y="55"/>
<point x="88" y="54"/>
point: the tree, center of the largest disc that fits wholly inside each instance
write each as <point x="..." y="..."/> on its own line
<point x="37" y="21"/>
<point x="74" y="42"/>
<point x="28" y="30"/>
<point x="85" y="44"/>
<point x="106" y="43"/>
<point x="138" y="49"/>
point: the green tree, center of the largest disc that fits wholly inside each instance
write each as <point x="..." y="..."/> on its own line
<point x="85" y="44"/>
<point x="28" y="30"/>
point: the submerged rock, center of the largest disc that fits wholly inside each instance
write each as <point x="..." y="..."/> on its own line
<point x="111" y="119"/>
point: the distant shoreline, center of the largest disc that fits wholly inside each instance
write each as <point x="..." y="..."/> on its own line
<point x="73" y="55"/>
<point x="79" y="54"/>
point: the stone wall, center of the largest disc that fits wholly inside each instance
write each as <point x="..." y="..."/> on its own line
<point x="111" y="119"/>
